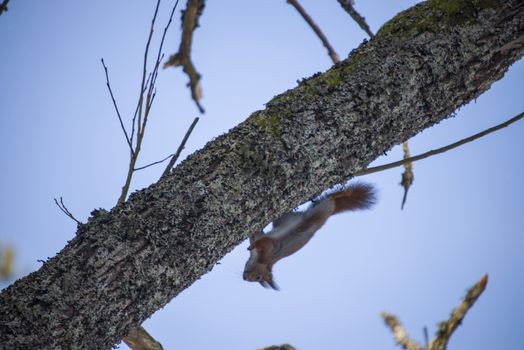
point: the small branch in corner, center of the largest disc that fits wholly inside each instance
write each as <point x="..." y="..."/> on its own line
<point x="66" y="211"/>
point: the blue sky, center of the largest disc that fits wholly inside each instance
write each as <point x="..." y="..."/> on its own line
<point x="60" y="137"/>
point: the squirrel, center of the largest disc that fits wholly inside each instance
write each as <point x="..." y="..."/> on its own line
<point x="293" y="230"/>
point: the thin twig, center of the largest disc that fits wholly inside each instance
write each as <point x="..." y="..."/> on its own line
<point x="3" y="6"/>
<point x="177" y="153"/>
<point x="180" y="148"/>
<point x="146" y="99"/>
<point x="439" y="150"/>
<point x="361" y="21"/>
<point x="316" y="29"/>
<point x="144" y="72"/>
<point x="193" y="11"/>
<point x="137" y="108"/>
<point x="66" y="211"/>
<point x="155" y="163"/>
<point x="116" y="107"/>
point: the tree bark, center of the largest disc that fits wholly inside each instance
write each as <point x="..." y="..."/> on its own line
<point x="125" y="264"/>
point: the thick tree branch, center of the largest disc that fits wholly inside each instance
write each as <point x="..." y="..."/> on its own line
<point x="125" y="264"/>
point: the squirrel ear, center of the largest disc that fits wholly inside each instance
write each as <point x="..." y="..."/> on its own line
<point x="272" y="283"/>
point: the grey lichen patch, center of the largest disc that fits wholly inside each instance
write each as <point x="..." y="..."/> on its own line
<point x="435" y="16"/>
<point x="248" y="156"/>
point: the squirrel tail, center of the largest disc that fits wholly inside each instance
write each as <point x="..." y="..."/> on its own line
<point x="356" y="196"/>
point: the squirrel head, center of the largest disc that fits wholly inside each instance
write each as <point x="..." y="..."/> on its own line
<point x="258" y="267"/>
<point x="261" y="273"/>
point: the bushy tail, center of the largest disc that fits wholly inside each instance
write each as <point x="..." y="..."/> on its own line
<point x="356" y="196"/>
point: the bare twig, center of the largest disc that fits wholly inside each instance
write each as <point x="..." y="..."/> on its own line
<point x="143" y="87"/>
<point x="66" y="211"/>
<point x="173" y="155"/>
<point x="316" y="29"/>
<point x="180" y="148"/>
<point x="190" y="16"/>
<point x="361" y="21"/>
<point x="128" y="140"/>
<point x="154" y="163"/>
<point x="407" y="175"/>
<point x="399" y="333"/>
<point x="446" y="328"/>
<point x="439" y="150"/>
<point x="3" y="6"/>
<point x="146" y="99"/>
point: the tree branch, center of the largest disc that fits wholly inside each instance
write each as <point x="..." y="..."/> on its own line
<point x="446" y="328"/>
<point x="125" y="264"/>
<point x="399" y="333"/>
<point x="347" y="5"/>
<point x="180" y="148"/>
<point x="190" y="16"/>
<point x="173" y="156"/>
<point x="128" y="140"/>
<point x="145" y="100"/>
<point x="316" y="29"/>
<point x="440" y="150"/>
<point x="407" y="175"/>
<point x="66" y="211"/>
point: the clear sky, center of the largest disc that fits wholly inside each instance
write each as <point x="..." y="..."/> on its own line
<point x="60" y="137"/>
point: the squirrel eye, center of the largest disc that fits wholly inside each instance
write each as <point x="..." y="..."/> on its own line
<point x="258" y="278"/>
